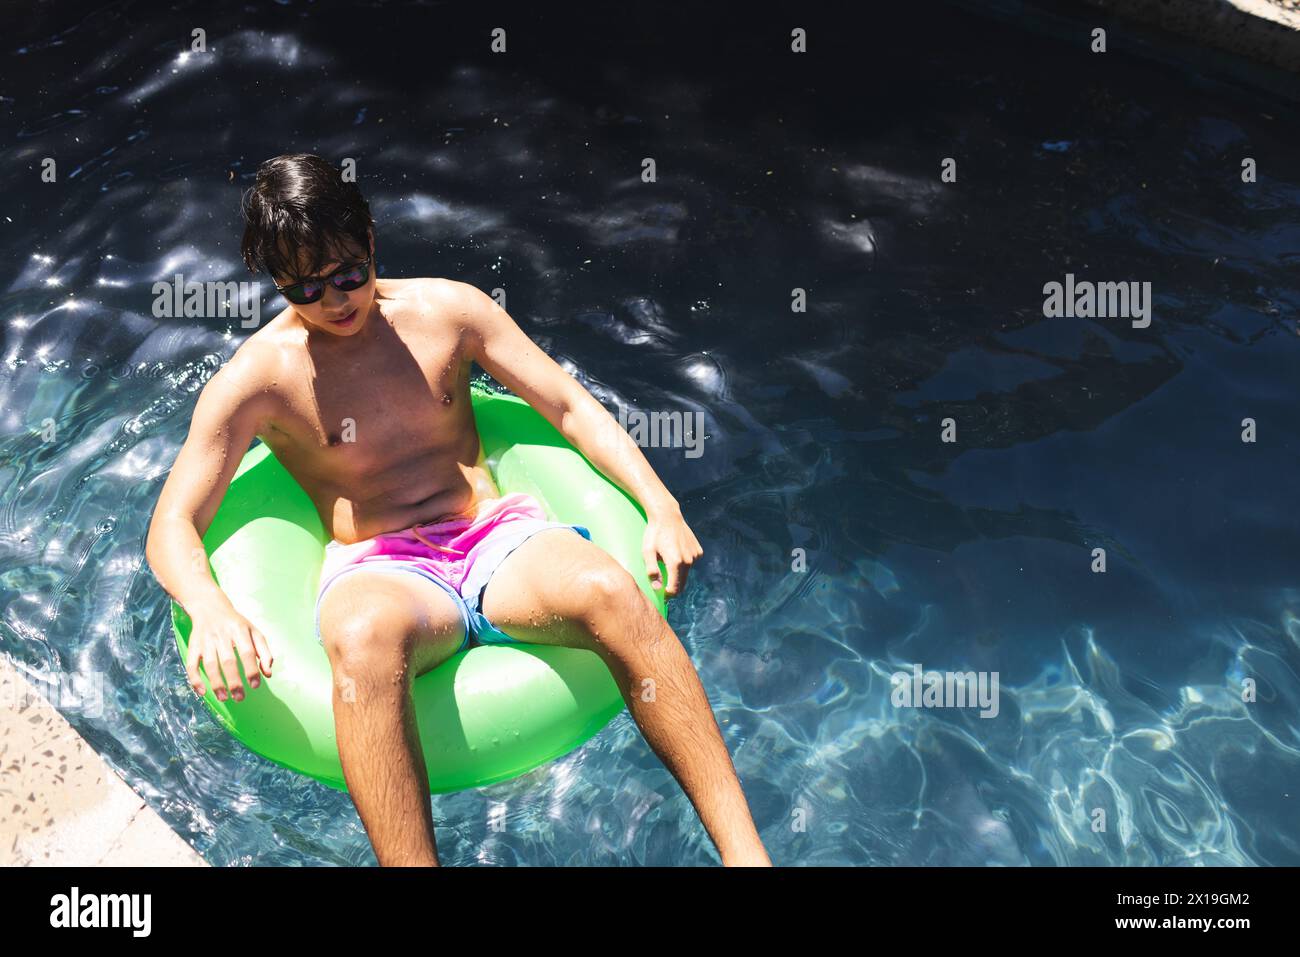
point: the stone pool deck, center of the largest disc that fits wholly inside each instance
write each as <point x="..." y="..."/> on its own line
<point x="60" y="803"/>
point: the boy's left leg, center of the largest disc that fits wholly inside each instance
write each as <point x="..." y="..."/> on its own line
<point x="557" y="588"/>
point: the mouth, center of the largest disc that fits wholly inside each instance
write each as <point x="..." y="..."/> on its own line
<point x="346" y="320"/>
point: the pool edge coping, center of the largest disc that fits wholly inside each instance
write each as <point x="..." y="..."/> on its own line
<point x="61" y="803"/>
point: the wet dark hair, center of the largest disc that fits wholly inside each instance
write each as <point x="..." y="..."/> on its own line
<point x="300" y="203"/>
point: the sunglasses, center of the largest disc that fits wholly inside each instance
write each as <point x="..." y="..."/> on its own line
<point x="345" y="279"/>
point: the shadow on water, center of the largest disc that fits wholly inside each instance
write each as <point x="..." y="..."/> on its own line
<point x="1120" y="692"/>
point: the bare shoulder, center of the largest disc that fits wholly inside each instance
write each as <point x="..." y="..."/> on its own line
<point x="446" y="305"/>
<point x="465" y="295"/>
<point x="437" y="293"/>
<point x="249" y="380"/>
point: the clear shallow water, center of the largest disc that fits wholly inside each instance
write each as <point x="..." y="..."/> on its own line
<point x="1119" y="691"/>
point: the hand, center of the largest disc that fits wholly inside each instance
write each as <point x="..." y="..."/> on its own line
<point x="668" y="537"/>
<point x="217" y="633"/>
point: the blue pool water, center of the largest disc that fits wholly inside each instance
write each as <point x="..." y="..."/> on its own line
<point x="1119" y="691"/>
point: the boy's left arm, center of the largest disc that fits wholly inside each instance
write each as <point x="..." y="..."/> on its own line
<point x="497" y="344"/>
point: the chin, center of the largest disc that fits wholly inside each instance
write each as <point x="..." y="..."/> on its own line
<point x="334" y="329"/>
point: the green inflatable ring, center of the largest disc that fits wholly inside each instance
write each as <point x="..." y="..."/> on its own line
<point x="487" y="714"/>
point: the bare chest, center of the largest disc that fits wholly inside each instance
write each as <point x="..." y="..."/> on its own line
<point x="355" y="420"/>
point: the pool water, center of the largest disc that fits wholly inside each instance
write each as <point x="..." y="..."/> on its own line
<point x="1119" y="691"/>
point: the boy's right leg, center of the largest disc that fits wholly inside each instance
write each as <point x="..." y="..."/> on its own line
<point x="381" y="631"/>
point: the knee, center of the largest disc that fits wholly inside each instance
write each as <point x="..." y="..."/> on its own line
<point x="366" y="633"/>
<point x="607" y="593"/>
<point x="364" y="636"/>
<point x="379" y="618"/>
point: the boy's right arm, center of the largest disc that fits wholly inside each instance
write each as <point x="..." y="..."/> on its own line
<point x="226" y="419"/>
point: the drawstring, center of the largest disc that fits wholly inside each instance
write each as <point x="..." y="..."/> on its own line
<point x="442" y="548"/>
<point x="415" y="530"/>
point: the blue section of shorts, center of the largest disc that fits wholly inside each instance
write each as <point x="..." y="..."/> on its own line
<point x="470" y="597"/>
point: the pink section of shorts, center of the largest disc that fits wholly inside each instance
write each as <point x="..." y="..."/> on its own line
<point x="458" y="555"/>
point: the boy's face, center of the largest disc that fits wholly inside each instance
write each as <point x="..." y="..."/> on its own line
<point x="336" y="312"/>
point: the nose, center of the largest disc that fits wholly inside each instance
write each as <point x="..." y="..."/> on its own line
<point x="334" y="298"/>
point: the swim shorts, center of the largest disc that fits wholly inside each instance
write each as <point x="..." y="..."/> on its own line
<point x="458" y="555"/>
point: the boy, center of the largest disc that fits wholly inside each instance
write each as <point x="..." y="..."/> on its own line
<point x="361" y="389"/>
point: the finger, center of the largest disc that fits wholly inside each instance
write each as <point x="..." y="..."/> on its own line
<point x="211" y="670"/>
<point x="674" y="566"/>
<point x="684" y="566"/>
<point x="230" y="670"/>
<point x="247" y="658"/>
<point x="264" y="657"/>
<point x="212" y="661"/>
<point x="652" y="567"/>
<point x="192" y="669"/>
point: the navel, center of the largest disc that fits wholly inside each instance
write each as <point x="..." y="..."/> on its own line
<point x="446" y="398"/>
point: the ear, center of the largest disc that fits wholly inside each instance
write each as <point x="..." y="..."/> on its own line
<point x="371" y="234"/>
